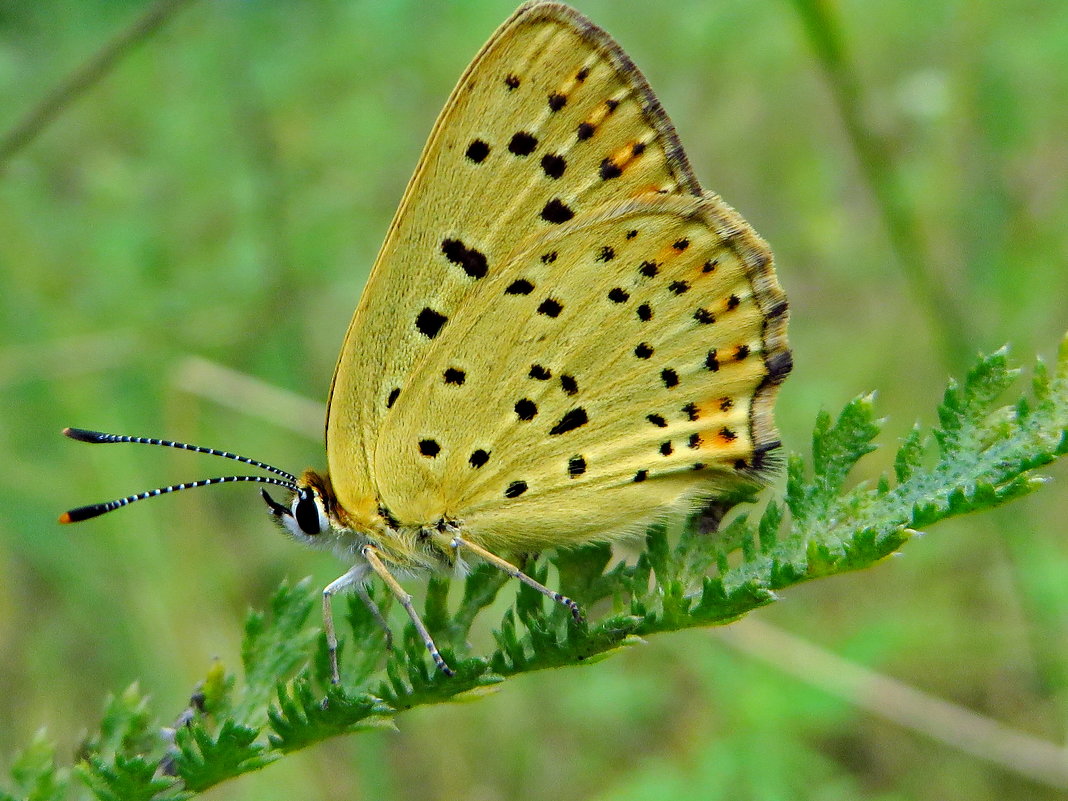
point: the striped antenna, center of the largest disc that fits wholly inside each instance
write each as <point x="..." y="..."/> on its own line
<point x="84" y="435"/>
<point x="288" y="480"/>
<point x="93" y="510"/>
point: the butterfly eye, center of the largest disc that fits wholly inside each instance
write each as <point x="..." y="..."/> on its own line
<point x="308" y="513"/>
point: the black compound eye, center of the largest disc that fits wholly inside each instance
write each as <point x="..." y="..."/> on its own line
<point x="306" y="512"/>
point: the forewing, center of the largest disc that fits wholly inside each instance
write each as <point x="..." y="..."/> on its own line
<point x="550" y="121"/>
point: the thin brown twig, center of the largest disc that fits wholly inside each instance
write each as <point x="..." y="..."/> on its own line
<point x="250" y="395"/>
<point x="1024" y="754"/>
<point x="85" y="76"/>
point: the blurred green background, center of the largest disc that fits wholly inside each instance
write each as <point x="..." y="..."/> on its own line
<point x="222" y="193"/>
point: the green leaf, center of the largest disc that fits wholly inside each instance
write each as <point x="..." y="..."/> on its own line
<point x="909" y="455"/>
<point x="276" y="646"/>
<point x="125" y="778"/>
<point x="126" y="726"/>
<point x="203" y="761"/>
<point x="34" y="775"/>
<point x="302" y="717"/>
<point x="835" y="450"/>
<point x="583" y="576"/>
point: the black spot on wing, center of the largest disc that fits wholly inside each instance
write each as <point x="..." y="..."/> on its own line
<point x="478" y="458"/>
<point x="477" y="151"/>
<point x="609" y="169"/>
<point x="429" y="322"/>
<point x="515" y="489"/>
<point x="556" y="211"/>
<point x="470" y="260"/>
<point x="575" y="418"/>
<point x="520" y="286"/>
<point x="553" y="165"/>
<point x="550" y="307"/>
<point x="522" y="143"/>
<point x="526" y="409"/>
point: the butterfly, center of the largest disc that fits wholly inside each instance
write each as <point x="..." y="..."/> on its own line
<point x="563" y="340"/>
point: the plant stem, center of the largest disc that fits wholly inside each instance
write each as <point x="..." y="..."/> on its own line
<point x="85" y="76"/>
<point x="823" y="29"/>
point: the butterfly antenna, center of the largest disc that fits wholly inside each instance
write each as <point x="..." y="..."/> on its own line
<point x="96" y="509"/>
<point x="287" y="480"/>
<point x="84" y="435"/>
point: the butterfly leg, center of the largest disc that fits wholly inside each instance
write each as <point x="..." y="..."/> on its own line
<point x="515" y="572"/>
<point x="353" y="578"/>
<point x="376" y="613"/>
<point x="370" y="553"/>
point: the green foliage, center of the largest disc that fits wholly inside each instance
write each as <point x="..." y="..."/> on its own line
<point x="203" y="760"/>
<point x="125" y="778"/>
<point x="275" y="648"/>
<point x="980" y="456"/>
<point x="34" y="775"/>
<point x="120" y="762"/>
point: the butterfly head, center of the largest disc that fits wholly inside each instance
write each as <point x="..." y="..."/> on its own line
<point x="309" y="515"/>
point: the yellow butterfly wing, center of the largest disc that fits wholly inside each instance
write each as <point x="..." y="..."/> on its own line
<point x="620" y="368"/>
<point x="548" y="130"/>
